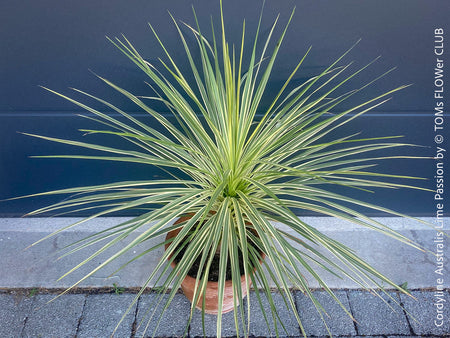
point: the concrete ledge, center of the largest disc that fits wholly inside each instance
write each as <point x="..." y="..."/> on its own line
<point x="39" y="266"/>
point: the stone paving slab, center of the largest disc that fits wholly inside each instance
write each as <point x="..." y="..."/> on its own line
<point x="14" y="310"/>
<point x="102" y="313"/>
<point x="58" y="319"/>
<point x="173" y="322"/>
<point x="258" y="325"/>
<point x="228" y="325"/>
<point x="337" y="320"/>
<point x="431" y="312"/>
<point x="374" y="317"/>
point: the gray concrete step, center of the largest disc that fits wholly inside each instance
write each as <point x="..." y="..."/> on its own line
<point x="38" y="266"/>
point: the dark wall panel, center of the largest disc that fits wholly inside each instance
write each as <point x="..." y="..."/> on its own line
<point x="56" y="43"/>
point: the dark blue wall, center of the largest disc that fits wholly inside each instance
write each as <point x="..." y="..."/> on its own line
<point x="55" y="43"/>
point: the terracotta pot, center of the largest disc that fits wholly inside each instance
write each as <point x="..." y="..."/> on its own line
<point x="211" y="293"/>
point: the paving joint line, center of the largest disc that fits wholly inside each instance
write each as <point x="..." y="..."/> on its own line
<point x="294" y="294"/>
<point x="188" y="333"/>
<point x="134" y="325"/>
<point x="352" y="312"/>
<point x="411" y="330"/>
<point x="24" y="322"/>
<point x="81" y="316"/>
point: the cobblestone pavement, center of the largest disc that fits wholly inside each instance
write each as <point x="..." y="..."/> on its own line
<point x="24" y="313"/>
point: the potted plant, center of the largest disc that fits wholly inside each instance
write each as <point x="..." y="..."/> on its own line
<point x="236" y="172"/>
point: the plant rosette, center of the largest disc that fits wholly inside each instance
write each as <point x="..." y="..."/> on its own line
<point x="233" y="161"/>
